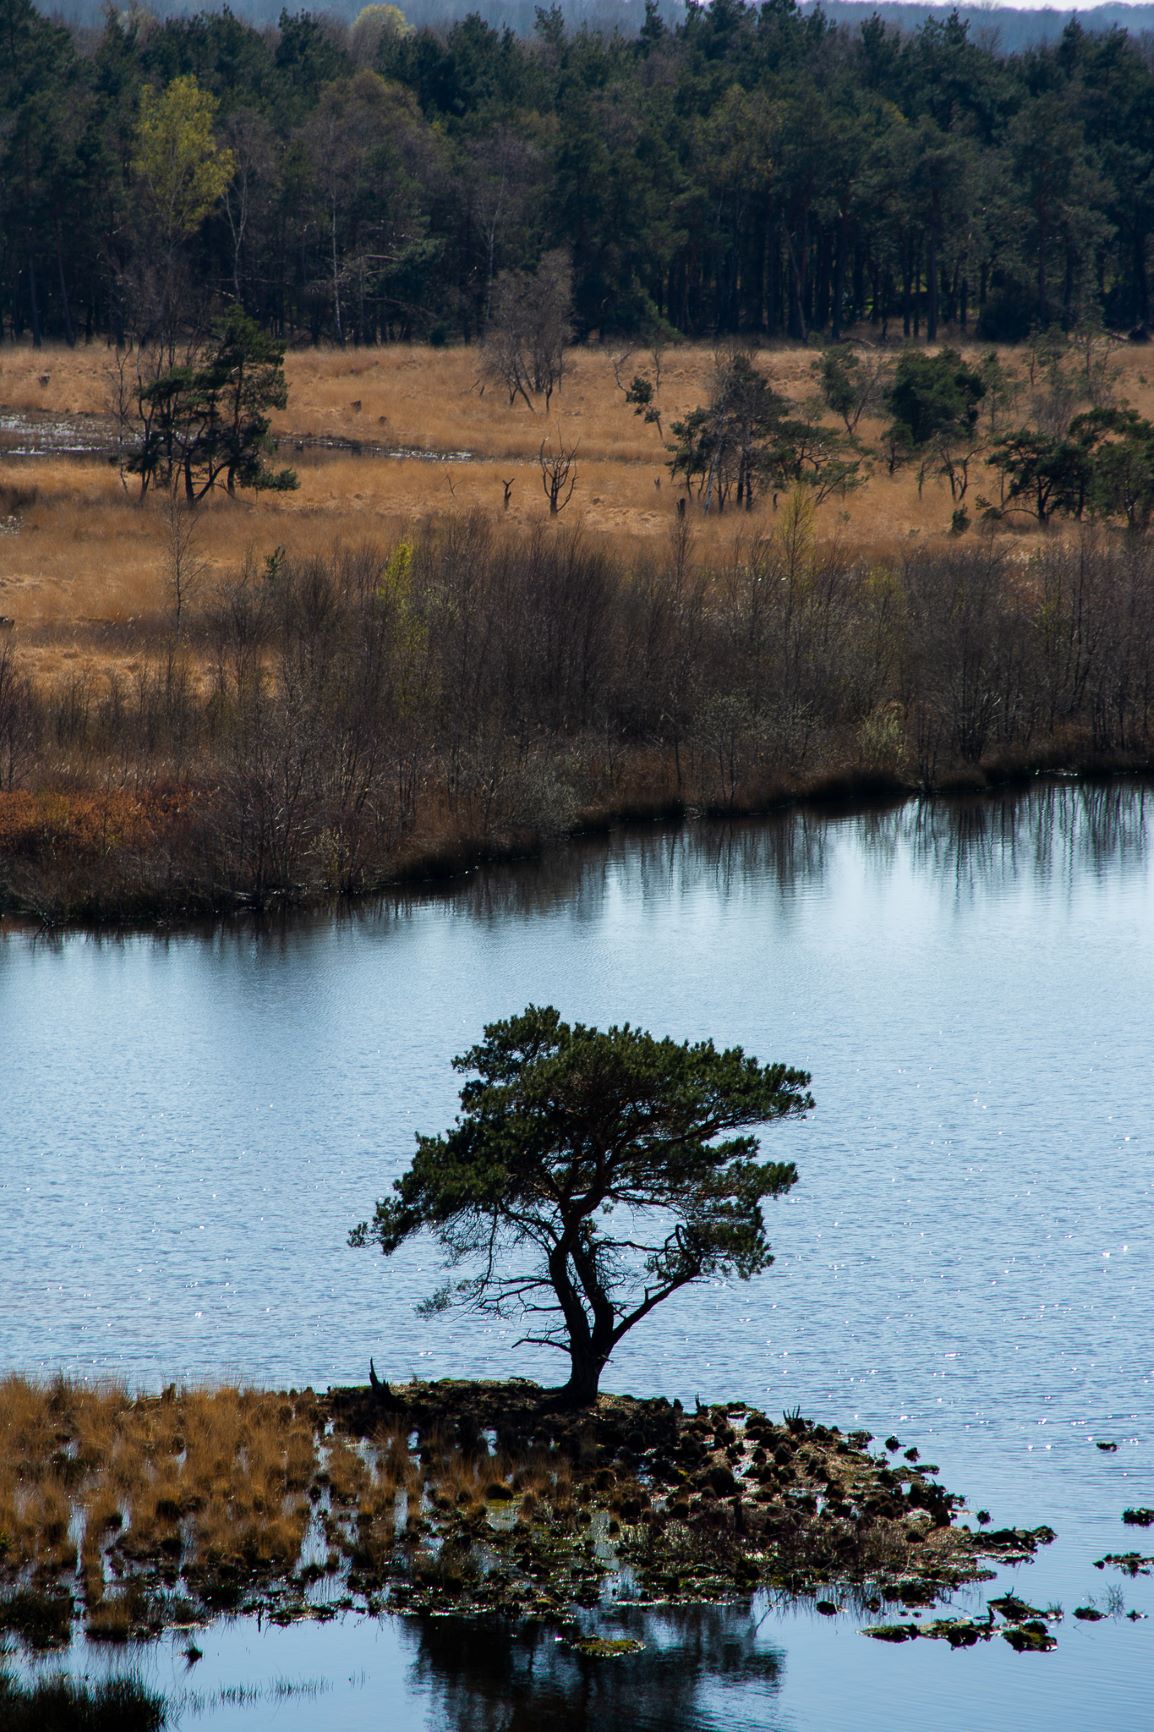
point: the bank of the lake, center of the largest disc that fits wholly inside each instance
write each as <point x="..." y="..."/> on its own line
<point x="95" y="860"/>
<point x="315" y="725"/>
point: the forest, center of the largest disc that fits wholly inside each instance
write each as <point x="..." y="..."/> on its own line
<point x="756" y="170"/>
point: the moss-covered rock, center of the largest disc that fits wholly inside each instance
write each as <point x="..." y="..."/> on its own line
<point x="605" y="1647"/>
<point x="1031" y="1637"/>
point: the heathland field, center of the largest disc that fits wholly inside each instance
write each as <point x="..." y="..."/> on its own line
<point x="410" y="659"/>
<point x="80" y="549"/>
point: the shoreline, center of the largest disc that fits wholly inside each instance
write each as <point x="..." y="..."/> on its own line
<point x="454" y="858"/>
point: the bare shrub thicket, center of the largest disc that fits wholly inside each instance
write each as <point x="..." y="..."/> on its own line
<point x="18" y="716"/>
<point x="317" y="722"/>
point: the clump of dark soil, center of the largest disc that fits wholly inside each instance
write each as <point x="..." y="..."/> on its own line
<point x="694" y="1506"/>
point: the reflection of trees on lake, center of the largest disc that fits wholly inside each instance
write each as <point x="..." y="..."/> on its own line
<point x="694" y="1672"/>
<point x="978" y="844"/>
<point x="1053" y="836"/>
<point x="784" y="851"/>
<point x="649" y="864"/>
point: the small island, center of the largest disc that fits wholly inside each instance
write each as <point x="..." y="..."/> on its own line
<point x="473" y="1498"/>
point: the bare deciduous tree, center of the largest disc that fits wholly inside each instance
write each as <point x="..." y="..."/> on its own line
<point x="852" y="381"/>
<point x="643" y="391"/>
<point x="558" y="474"/>
<point x="530" y="329"/>
<point x="185" y="570"/>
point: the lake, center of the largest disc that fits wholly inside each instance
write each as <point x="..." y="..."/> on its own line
<point x="192" y="1122"/>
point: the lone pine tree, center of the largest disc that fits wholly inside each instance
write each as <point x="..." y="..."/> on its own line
<point x="589" y="1176"/>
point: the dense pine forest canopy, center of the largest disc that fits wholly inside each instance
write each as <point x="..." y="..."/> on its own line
<point x="763" y="169"/>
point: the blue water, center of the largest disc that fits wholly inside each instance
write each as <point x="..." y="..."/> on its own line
<point x="191" y="1124"/>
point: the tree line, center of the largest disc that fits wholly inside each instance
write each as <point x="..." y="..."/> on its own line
<point x="754" y="169"/>
<point x="315" y="725"/>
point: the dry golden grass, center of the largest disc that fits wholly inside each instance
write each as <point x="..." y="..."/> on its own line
<point x="211" y="1485"/>
<point x="90" y="1479"/>
<point x="88" y="551"/>
<point x="58" y="381"/>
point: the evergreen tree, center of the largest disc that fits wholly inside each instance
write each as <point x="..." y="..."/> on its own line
<point x="590" y="1176"/>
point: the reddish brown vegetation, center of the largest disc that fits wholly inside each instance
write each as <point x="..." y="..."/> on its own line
<point x="323" y="723"/>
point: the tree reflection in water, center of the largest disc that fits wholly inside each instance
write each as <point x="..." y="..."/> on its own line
<point x="976" y="845"/>
<point x="970" y="846"/>
<point x="489" y="1677"/>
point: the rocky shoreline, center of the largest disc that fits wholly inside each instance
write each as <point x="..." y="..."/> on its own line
<point x="665" y="1505"/>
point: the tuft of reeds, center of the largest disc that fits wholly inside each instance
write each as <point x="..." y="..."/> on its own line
<point x="71" y="1705"/>
<point x="214" y="1479"/>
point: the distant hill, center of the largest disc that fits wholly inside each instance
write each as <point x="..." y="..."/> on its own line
<point x="1013" y="27"/>
<point x="518" y="15"/>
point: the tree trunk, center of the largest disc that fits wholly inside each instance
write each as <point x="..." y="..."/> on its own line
<point x="798" y="252"/>
<point x="69" y="332"/>
<point x="837" y="293"/>
<point x="34" y="300"/>
<point x="1141" y="281"/>
<point x="337" y="315"/>
<point x="586" y="1366"/>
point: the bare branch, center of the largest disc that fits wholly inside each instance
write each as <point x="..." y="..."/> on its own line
<point x="558" y="474"/>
